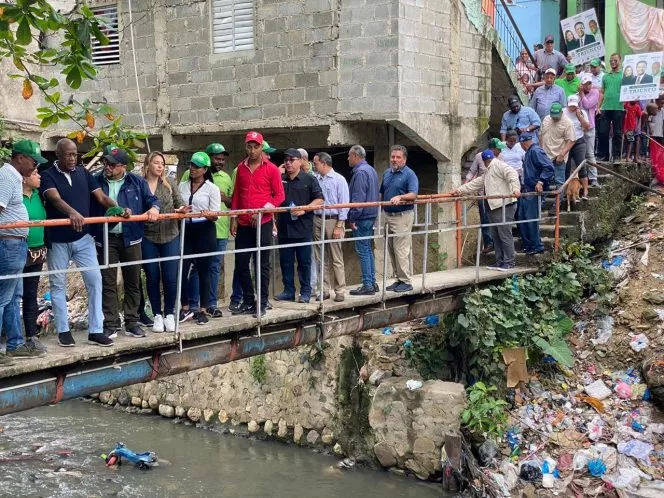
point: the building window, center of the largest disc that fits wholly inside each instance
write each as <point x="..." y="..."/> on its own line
<point x="232" y="25"/>
<point x="107" y="54"/>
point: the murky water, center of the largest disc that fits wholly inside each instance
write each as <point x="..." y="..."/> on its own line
<point x="54" y="451"/>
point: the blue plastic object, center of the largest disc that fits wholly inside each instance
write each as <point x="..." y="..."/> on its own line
<point x="513" y="439"/>
<point x="615" y="261"/>
<point x="432" y="320"/>
<point x="596" y="467"/>
<point x="545" y="468"/>
<point x="388" y="331"/>
<point x="646" y="395"/>
<point x="143" y="461"/>
<point x="407" y="344"/>
<point x="637" y="427"/>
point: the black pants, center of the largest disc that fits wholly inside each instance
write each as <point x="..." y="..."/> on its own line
<point x="199" y="238"/>
<point x="30" y="307"/>
<point x="246" y="239"/>
<point x="577" y="154"/>
<point x="607" y="119"/>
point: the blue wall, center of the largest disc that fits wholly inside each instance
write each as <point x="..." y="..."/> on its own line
<point x="536" y="19"/>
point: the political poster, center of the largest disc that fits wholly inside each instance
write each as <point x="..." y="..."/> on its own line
<point x="583" y="37"/>
<point x="641" y="76"/>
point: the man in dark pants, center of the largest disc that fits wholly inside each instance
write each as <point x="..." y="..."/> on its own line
<point x="612" y="113"/>
<point x="538" y="171"/>
<point x="296" y="226"/>
<point x="124" y="241"/>
<point x="257" y="185"/>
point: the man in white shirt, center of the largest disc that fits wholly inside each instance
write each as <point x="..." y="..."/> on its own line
<point x="513" y="153"/>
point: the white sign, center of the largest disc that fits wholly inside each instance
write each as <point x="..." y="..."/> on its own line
<point x="583" y="37"/>
<point x="640" y="76"/>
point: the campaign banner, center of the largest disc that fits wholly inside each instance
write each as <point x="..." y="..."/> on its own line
<point x="583" y="37"/>
<point x="641" y="76"/>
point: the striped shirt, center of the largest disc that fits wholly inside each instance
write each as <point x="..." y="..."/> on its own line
<point x="11" y="201"/>
<point x="335" y="191"/>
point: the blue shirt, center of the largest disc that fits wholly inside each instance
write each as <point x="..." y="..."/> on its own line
<point x="400" y="182"/>
<point x="537" y="167"/>
<point x="524" y="118"/>
<point x="363" y="188"/>
<point x="335" y="191"/>
<point x="543" y="97"/>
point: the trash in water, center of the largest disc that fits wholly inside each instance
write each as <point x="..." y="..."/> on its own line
<point x="639" y="342"/>
<point x="143" y="461"/>
<point x="347" y="463"/>
<point x="413" y="385"/>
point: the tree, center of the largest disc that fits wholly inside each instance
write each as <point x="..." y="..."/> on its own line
<point x="21" y="25"/>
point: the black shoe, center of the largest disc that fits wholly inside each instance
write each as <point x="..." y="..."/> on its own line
<point x="145" y="320"/>
<point x="375" y="287"/>
<point x="100" y="340"/>
<point x="134" y="331"/>
<point x="403" y="287"/>
<point x="268" y="305"/>
<point x="214" y="312"/>
<point x="235" y="306"/>
<point x="111" y="333"/>
<point x="263" y="312"/>
<point x="66" y="340"/>
<point x="200" y="318"/>
<point x="247" y="309"/>
<point x="393" y="286"/>
<point x="363" y="291"/>
<point x="185" y="315"/>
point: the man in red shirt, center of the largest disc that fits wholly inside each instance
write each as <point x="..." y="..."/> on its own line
<point x="257" y="185"/>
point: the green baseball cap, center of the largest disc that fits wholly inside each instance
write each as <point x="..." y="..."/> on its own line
<point x="556" y="110"/>
<point x="214" y="149"/>
<point x="267" y="149"/>
<point x="570" y="68"/>
<point x="115" y="155"/>
<point x="200" y="159"/>
<point x="495" y="143"/>
<point x="29" y="148"/>
<point x="595" y="63"/>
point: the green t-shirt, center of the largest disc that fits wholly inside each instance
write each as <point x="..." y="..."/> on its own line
<point x="36" y="211"/>
<point x="611" y="86"/>
<point x="114" y="187"/>
<point x="569" y="87"/>
<point x="225" y="185"/>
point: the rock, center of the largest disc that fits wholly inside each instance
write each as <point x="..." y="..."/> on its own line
<point x="378" y="376"/>
<point x="104" y="396"/>
<point x="180" y="411"/>
<point x="194" y="414"/>
<point x="153" y="402"/>
<point x="649" y="315"/>
<point x="338" y="450"/>
<point x="390" y="348"/>
<point x="223" y="416"/>
<point x="145" y="405"/>
<point x="312" y="436"/>
<point x="283" y="428"/>
<point x="653" y="374"/>
<point x="124" y="398"/>
<point x="136" y="401"/>
<point x="654" y="297"/>
<point x="298" y="431"/>
<point x="94" y="396"/>
<point x="208" y="415"/>
<point x="253" y="426"/>
<point x="418" y="469"/>
<point x="327" y="436"/>
<point x="166" y="411"/>
<point x="385" y="454"/>
<point x="268" y="427"/>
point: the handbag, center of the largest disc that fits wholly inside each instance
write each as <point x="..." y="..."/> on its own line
<point x="36" y="255"/>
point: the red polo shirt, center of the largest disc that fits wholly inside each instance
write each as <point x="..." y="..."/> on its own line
<point x="255" y="190"/>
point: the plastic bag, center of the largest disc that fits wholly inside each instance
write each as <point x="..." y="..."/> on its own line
<point x="595" y="429"/>
<point x="623" y="390"/>
<point x="508" y="470"/>
<point x="637" y="449"/>
<point x="414" y="385"/>
<point x="581" y="459"/>
<point x="596" y="467"/>
<point x="639" y="342"/>
<point x="598" y="389"/>
<point x="604" y="330"/>
<point x="487" y="451"/>
<point x="530" y="471"/>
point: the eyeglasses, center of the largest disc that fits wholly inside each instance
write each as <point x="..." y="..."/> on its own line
<point x="550" y="41"/>
<point x="290" y="159"/>
<point x="111" y="165"/>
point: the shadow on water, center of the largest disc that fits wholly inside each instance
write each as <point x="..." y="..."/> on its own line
<point x="63" y="444"/>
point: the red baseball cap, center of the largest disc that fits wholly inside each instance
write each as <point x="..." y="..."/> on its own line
<point x="254" y="136"/>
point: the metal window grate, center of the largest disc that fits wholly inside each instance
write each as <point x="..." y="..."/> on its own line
<point x="107" y="54"/>
<point x="232" y="25"/>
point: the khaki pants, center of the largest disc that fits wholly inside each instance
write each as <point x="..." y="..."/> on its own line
<point x="333" y="253"/>
<point x="399" y="247"/>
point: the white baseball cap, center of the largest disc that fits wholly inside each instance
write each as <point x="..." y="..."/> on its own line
<point x="573" y="100"/>
<point x="551" y="70"/>
<point x="586" y="78"/>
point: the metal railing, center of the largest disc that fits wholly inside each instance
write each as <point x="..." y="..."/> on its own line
<point x="426" y="229"/>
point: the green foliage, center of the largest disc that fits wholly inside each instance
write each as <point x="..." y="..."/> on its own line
<point x="258" y="368"/>
<point x="441" y="257"/>
<point x="485" y="414"/>
<point x="635" y="202"/>
<point x="428" y="355"/>
<point x="5" y="153"/>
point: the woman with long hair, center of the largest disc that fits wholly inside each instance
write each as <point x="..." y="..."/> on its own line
<point x="200" y="235"/>
<point x="161" y="240"/>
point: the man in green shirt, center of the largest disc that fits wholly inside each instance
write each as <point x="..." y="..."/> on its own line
<point x="612" y="112"/>
<point x="218" y="155"/>
<point x="570" y="81"/>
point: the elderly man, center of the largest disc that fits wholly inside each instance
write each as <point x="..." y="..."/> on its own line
<point x="548" y="58"/>
<point x="501" y="180"/>
<point x="400" y="187"/>
<point x="547" y="94"/>
<point x="590" y="102"/>
<point x="335" y="191"/>
<point x="69" y="190"/>
<point x="596" y="74"/>
<point x="518" y="118"/>
<point x="570" y="82"/>
<point x="557" y="138"/>
<point x="363" y="188"/>
<point x="132" y="193"/>
<point x="13" y="246"/>
<point x="296" y="227"/>
<point x="537" y="173"/>
<point x="612" y="112"/>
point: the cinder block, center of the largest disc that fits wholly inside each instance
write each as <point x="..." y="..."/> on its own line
<point x="299" y="109"/>
<point x="292" y="95"/>
<point x="200" y="102"/>
<point x="284" y="81"/>
<point x="306" y="79"/>
<point x="351" y="90"/>
<point x="321" y="19"/>
<point x="316" y="93"/>
<point x="324" y="107"/>
<point x="249" y="113"/>
<point x="266" y="98"/>
<point x="222" y="101"/>
<point x="207" y="116"/>
<point x="244" y="99"/>
<point x="274" y="110"/>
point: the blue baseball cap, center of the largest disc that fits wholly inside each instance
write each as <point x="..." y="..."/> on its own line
<point x="524" y="137"/>
<point x="487" y="154"/>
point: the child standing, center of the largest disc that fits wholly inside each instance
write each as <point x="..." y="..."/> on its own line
<point x="631" y="125"/>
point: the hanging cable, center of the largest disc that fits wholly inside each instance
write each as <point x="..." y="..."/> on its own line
<point x="138" y="87"/>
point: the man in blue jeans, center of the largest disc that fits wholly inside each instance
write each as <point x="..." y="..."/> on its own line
<point x="13" y="247"/>
<point x="363" y="188"/>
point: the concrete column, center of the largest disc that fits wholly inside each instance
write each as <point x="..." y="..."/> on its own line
<point x="381" y="163"/>
<point x="444" y="215"/>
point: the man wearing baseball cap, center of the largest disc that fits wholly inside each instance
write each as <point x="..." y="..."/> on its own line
<point x="595" y="73"/>
<point x="518" y="118"/>
<point x="590" y="100"/>
<point x="132" y="193"/>
<point x="557" y="138"/>
<point x="257" y="185"/>
<point x="577" y="153"/>
<point x="549" y="58"/>
<point x="547" y="94"/>
<point x="570" y="81"/>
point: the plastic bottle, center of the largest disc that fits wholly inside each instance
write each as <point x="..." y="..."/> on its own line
<point x="292" y="216"/>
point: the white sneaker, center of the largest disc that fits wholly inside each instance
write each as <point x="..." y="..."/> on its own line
<point x="169" y="323"/>
<point x="158" y="324"/>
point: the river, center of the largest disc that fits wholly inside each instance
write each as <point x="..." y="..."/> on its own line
<point x="55" y="451"/>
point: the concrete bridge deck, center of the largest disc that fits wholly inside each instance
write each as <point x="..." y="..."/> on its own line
<point x="66" y="373"/>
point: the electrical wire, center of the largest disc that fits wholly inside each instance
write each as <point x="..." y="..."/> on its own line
<point x="138" y="87"/>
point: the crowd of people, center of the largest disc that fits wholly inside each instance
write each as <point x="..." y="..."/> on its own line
<point x="68" y="190"/>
